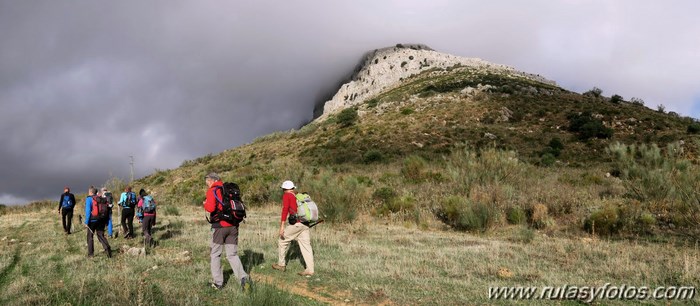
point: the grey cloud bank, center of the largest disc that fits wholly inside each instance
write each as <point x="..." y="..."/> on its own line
<point x="85" y="84"/>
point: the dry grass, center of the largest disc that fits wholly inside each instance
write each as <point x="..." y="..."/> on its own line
<point x="367" y="261"/>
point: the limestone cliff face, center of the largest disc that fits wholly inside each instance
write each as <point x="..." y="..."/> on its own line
<point x="384" y="69"/>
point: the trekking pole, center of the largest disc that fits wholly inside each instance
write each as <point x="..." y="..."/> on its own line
<point x="316" y="223"/>
<point x="80" y="218"/>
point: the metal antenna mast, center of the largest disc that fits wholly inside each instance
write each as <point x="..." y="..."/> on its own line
<point x="132" y="168"/>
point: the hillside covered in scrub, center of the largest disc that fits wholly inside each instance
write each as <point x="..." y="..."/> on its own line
<point x="468" y="148"/>
<point x="449" y="181"/>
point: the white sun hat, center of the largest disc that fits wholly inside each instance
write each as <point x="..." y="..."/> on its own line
<point x="288" y="185"/>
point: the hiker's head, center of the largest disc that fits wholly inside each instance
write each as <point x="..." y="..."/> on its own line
<point x="127" y="189"/>
<point x="92" y="190"/>
<point x="288" y="185"/>
<point x="211" y="178"/>
<point x="142" y="193"/>
<point x="66" y="189"/>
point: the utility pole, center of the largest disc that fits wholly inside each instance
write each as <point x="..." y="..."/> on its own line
<point x="132" y="168"/>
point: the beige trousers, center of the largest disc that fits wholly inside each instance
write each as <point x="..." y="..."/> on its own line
<point x="300" y="233"/>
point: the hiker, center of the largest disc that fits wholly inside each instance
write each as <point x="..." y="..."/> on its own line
<point x="96" y="214"/>
<point x="128" y="202"/>
<point x="65" y="209"/>
<point x="107" y="195"/>
<point x="297" y="230"/>
<point x="224" y="235"/>
<point x="147" y="210"/>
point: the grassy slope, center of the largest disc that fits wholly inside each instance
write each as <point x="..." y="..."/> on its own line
<point x="386" y="250"/>
<point x="365" y="262"/>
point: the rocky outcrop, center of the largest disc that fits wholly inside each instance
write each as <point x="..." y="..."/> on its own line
<point x="384" y="69"/>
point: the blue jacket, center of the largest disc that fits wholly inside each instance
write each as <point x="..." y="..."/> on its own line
<point x="88" y="211"/>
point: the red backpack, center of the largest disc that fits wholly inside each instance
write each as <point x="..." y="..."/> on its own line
<point x="100" y="208"/>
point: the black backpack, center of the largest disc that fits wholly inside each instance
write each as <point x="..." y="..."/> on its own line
<point x="232" y="207"/>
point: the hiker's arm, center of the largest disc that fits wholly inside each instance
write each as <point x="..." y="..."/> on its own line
<point x="282" y="230"/>
<point x="59" y="203"/>
<point x="72" y="198"/>
<point x="88" y="208"/>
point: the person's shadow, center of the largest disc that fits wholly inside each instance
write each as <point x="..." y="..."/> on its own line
<point x="294" y="253"/>
<point x="249" y="259"/>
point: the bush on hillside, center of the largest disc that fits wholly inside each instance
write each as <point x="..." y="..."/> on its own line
<point x="372" y="156"/>
<point x="603" y="222"/>
<point x="538" y="216"/>
<point x="693" y="128"/>
<point x="347" y="117"/>
<point x="594" y="92"/>
<point x="586" y="126"/>
<point x="384" y="194"/>
<point x="464" y="215"/>
<point x="616" y="99"/>
<point x="516" y="215"/>
<point x="413" y="169"/>
<point x="665" y="180"/>
<point x="372" y="102"/>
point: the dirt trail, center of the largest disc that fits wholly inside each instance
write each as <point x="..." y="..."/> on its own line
<point x="336" y="298"/>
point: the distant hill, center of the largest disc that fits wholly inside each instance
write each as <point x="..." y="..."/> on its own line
<point x="409" y="108"/>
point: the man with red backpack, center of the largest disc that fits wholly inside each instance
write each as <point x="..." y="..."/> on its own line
<point x="224" y="235"/>
<point x="97" y="213"/>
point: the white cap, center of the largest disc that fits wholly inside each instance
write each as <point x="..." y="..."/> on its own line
<point x="288" y="185"/>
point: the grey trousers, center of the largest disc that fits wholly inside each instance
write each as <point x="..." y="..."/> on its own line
<point x="232" y="256"/>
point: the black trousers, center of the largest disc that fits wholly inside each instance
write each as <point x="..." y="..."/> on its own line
<point x="128" y="222"/>
<point x="147" y="226"/>
<point x="97" y="227"/>
<point x="67" y="218"/>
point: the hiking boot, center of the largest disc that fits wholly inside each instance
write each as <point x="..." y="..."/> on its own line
<point x="216" y="287"/>
<point x="305" y="273"/>
<point x="278" y="267"/>
<point x="245" y="284"/>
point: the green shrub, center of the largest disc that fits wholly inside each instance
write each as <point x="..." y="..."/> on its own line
<point x="547" y="160"/>
<point x="384" y="194"/>
<point x="616" y="99"/>
<point x="604" y="222"/>
<point x="666" y="179"/>
<point x="372" y="102"/>
<point x="347" y="117"/>
<point x="464" y="215"/>
<point x="413" y="169"/>
<point x="693" y="128"/>
<point x="407" y="111"/>
<point x="588" y="127"/>
<point x="538" y="216"/>
<point x="372" y="156"/>
<point x="400" y="204"/>
<point x="516" y="215"/>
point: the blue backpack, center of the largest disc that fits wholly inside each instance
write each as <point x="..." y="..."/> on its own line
<point x="149" y="205"/>
<point x="131" y="200"/>
<point x="67" y="203"/>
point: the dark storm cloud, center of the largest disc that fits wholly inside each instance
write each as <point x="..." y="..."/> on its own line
<point x="85" y="84"/>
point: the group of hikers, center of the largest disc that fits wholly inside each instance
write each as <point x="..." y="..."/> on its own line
<point x="98" y="215"/>
<point x="226" y="212"/>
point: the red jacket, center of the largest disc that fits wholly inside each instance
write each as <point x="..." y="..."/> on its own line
<point x="210" y="205"/>
<point x="289" y="205"/>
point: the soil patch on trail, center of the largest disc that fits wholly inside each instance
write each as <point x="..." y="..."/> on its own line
<point x="325" y="296"/>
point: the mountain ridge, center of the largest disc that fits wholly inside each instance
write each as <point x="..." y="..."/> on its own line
<point x="386" y="68"/>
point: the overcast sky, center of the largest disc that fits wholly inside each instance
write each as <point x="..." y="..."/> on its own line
<point x="85" y="84"/>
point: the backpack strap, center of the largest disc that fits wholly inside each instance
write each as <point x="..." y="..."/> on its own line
<point x="220" y="201"/>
